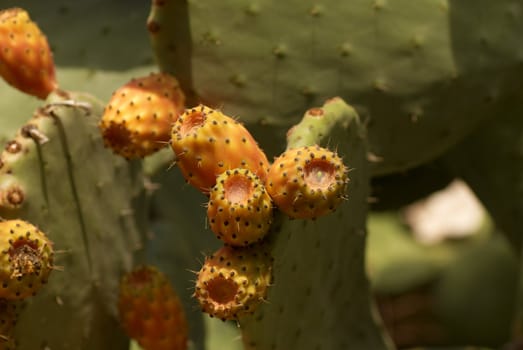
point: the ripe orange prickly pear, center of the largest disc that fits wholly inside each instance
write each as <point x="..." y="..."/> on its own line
<point x="234" y="281"/>
<point x="207" y="142"/>
<point x="26" y="60"/>
<point x="151" y="312"/>
<point x="307" y="182"/>
<point x="26" y="259"/>
<point x="239" y="209"/>
<point x="137" y="120"/>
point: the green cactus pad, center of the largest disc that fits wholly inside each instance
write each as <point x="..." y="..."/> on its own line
<point x="320" y="297"/>
<point x="420" y="73"/>
<point x="64" y="182"/>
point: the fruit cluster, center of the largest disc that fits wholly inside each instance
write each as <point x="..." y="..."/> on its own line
<point x="215" y="153"/>
<point x="218" y="156"/>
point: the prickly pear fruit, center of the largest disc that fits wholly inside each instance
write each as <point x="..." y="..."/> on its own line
<point x="150" y="310"/>
<point x="8" y="317"/>
<point x="307" y="182"/>
<point x="26" y="60"/>
<point x="207" y="142"/>
<point x="239" y="209"/>
<point x="26" y="259"/>
<point x="137" y="120"/>
<point x="234" y="281"/>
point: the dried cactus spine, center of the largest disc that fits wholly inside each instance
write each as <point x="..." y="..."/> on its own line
<point x="150" y="310"/>
<point x="26" y="259"/>
<point x="207" y="142"/>
<point x="26" y="60"/>
<point x="234" y="281"/>
<point x="307" y="182"/>
<point x="137" y="120"/>
<point x="239" y="210"/>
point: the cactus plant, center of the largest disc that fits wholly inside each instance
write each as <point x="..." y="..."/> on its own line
<point x="418" y="74"/>
<point x="63" y="180"/>
<point x="322" y="260"/>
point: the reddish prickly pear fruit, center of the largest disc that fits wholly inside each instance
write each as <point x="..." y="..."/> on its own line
<point x="239" y="209"/>
<point x="207" y="142"/>
<point x="150" y="310"/>
<point x="138" y="118"/>
<point x="8" y="319"/>
<point x="26" y="259"/>
<point x="26" y="60"/>
<point x="234" y="281"/>
<point x="307" y="182"/>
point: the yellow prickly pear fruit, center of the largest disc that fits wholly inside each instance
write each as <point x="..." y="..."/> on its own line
<point x="234" y="281"/>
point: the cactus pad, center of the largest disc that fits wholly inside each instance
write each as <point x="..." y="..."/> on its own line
<point x="321" y="261"/>
<point x="61" y="179"/>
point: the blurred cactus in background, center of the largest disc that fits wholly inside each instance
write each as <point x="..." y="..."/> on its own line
<point x="278" y="162"/>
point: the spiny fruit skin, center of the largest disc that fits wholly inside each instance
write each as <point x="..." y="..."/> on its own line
<point x="307" y="182"/>
<point x="234" y="281"/>
<point x="26" y="259"/>
<point x="207" y="142"/>
<point x="138" y="118"/>
<point x="239" y="210"/>
<point x="150" y="310"/>
<point x="26" y="60"/>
